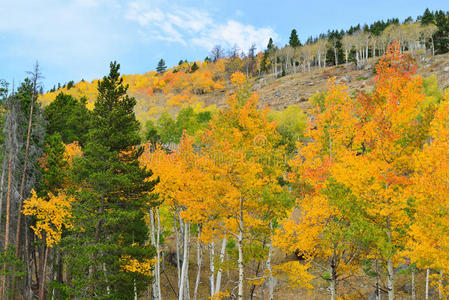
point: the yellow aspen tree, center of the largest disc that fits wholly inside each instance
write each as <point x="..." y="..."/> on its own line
<point x="428" y="245"/>
<point x="393" y="123"/>
<point x="186" y="189"/>
<point x="322" y="228"/>
<point x="243" y="144"/>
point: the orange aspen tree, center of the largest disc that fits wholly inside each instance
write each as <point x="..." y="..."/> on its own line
<point x="186" y="189"/>
<point x="243" y="144"/>
<point x="393" y="123"/>
<point x="428" y="245"/>
<point x="323" y="227"/>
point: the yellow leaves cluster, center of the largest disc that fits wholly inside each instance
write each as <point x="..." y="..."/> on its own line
<point x="72" y="151"/>
<point x="52" y="215"/>
<point x="297" y="274"/>
<point x="221" y="295"/>
<point x="129" y="264"/>
<point x="238" y="78"/>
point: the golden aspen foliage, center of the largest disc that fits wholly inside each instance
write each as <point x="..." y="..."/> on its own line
<point x="52" y="215"/>
<point x="132" y="265"/>
<point x="428" y="245"/>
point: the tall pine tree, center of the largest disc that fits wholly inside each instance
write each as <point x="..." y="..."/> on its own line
<point x="294" y="40"/>
<point x="161" y="67"/>
<point x="112" y="194"/>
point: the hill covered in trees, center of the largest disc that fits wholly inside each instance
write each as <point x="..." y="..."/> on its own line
<point x="203" y="83"/>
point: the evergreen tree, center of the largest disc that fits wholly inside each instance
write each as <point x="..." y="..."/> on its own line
<point x="161" y="67"/>
<point x="442" y="33"/>
<point x="69" y="118"/>
<point x="427" y="17"/>
<point x="294" y="40"/>
<point x="111" y="196"/>
<point x="194" y="68"/>
<point x="270" y="44"/>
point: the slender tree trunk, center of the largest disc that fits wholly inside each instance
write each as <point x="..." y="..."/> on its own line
<point x="158" y="254"/>
<point x="427" y="283"/>
<point x="333" y="282"/>
<point x="413" y="284"/>
<point x="440" y="285"/>
<point x="1" y="190"/>
<point x="377" y="282"/>
<point x="24" y="171"/>
<point x="240" y="265"/>
<point x="184" y="285"/>
<point x="240" y="251"/>
<point x="36" y="77"/>
<point x="270" y="274"/>
<point x="178" y="241"/>
<point x="390" y="278"/>
<point x="8" y="208"/>
<point x="154" y="285"/>
<point x="433" y="47"/>
<point x="220" y="269"/>
<point x="212" y="268"/>
<point x="199" y="260"/>
<point x="336" y="55"/>
<point x="105" y="272"/>
<point x="44" y="276"/>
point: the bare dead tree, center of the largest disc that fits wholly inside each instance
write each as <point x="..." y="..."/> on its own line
<point x="216" y="53"/>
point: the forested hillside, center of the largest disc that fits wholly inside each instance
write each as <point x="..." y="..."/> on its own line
<point x="310" y="171"/>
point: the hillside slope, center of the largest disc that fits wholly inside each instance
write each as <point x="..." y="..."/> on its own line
<point x="208" y="86"/>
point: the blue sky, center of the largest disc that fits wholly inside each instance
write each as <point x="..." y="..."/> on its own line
<point x="76" y="39"/>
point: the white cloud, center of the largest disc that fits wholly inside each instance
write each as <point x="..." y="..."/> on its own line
<point x="196" y="27"/>
<point x="235" y="33"/>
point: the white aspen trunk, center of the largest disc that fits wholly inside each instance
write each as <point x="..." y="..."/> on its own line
<point x="199" y="261"/>
<point x="433" y="47"/>
<point x="427" y="283"/>
<point x="186" y="280"/>
<point x="178" y="262"/>
<point x="108" y="289"/>
<point x="153" y="242"/>
<point x="184" y="284"/>
<point x="212" y="268"/>
<point x="135" y="291"/>
<point x="319" y="59"/>
<point x="332" y="287"/>
<point x="390" y="279"/>
<point x="346" y="56"/>
<point x="270" y="273"/>
<point x="220" y="269"/>
<point x="413" y="284"/>
<point x="240" y="250"/>
<point x="240" y="265"/>
<point x="440" y="285"/>
<point x="336" y="55"/>
<point x="158" y="255"/>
